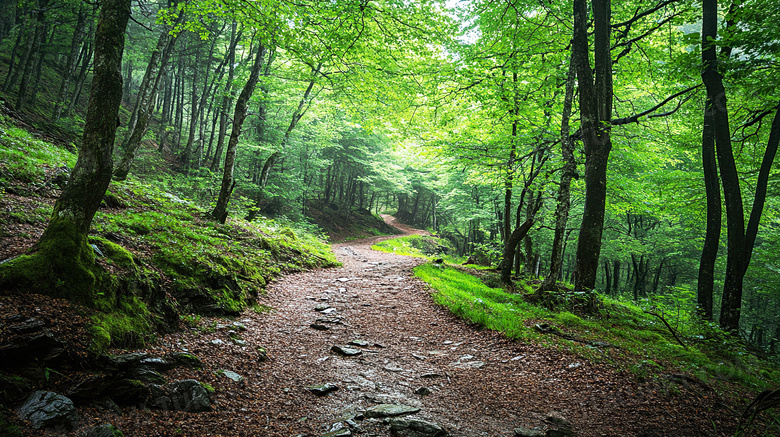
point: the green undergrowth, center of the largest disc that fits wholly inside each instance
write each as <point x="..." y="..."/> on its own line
<point x="619" y="333"/>
<point x="24" y="158"/>
<point x="211" y="267"/>
<point x="152" y="256"/>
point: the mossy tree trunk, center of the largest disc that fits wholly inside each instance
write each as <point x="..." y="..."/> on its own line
<point x="228" y="182"/>
<point x="62" y="262"/>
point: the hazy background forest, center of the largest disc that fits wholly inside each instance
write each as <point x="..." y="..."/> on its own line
<point x="455" y="117"/>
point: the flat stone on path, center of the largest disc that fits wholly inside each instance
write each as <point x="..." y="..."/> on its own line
<point x="321" y="307"/>
<point x="322" y="389"/>
<point x="318" y="327"/>
<point x="408" y="427"/>
<point x="346" y="351"/>
<point x="360" y="343"/>
<point x="390" y="410"/>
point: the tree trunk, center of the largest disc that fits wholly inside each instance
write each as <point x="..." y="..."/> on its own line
<point x="596" y="113"/>
<point x="220" y="210"/>
<point x="709" y="252"/>
<point x="70" y="65"/>
<point x="564" y="188"/>
<point x="300" y="111"/>
<point x="517" y="235"/>
<point x="63" y="253"/>
<point x="144" y="103"/>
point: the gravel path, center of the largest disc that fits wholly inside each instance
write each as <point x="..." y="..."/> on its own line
<point x="480" y="383"/>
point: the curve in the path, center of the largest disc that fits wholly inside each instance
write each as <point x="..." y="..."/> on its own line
<point x="480" y="382"/>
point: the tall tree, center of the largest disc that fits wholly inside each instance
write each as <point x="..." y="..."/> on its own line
<point x="219" y="212"/>
<point x="740" y="239"/>
<point x="595" y="96"/>
<point x="62" y="253"/>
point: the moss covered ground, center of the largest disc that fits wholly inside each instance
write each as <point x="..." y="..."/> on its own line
<point x="152" y="257"/>
<point x="631" y="336"/>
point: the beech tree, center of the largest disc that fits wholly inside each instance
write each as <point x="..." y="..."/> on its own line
<point x="62" y="260"/>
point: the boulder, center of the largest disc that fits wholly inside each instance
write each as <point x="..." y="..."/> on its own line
<point x="409" y="427"/>
<point x="45" y="410"/>
<point x="27" y="340"/>
<point x="188" y="395"/>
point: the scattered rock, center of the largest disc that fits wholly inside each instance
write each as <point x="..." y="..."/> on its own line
<point x="334" y="320"/>
<point x="408" y="427"/>
<point x="321" y="307"/>
<point x="360" y="343"/>
<point x="231" y="375"/>
<point x="188" y="395"/>
<point x="329" y="311"/>
<point x="346" y="351"/>
<point x="560" y="425"/>
<point x="468" y="364"/>
<point x="394" y="369"/>
<point x="27" y="340"/>
<point x="390" y="410"/>
<point x="184" y="359"/>
<point x="322" y="389"/>
<point x="262" y="354"/>
<point x="106" y="430"/>
<point x="338" y="430"/>
<point x="46" y="409"/>
<point x="431" y="375"/>
<point x="422" y="391"/>
<point x="217" y="342"/>
<point x="528" y="432"/>
<point x="318" y="327"/>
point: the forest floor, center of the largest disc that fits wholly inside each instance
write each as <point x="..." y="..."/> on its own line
<point x="480" y="382"/>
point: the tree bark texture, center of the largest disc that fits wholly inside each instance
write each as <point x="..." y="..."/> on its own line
<point x="220" y="210"/>
<point x="564" y="188"/>
<point x="139" y="121"/>
<point x="596" y="112"/>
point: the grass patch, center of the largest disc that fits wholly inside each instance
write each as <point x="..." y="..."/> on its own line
<point x="620" y="333"/>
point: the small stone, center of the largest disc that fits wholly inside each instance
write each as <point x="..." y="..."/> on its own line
<point x="422" y="391"/>
<point x="391" y="368"/>
<point x="318" y="327"/>
<point x="238" y="342"/>
<point x="408" y="427"/>
<point x="321" y="307"/>
<point x="217" y="342"/>
<point x="359" y="342"/>
<point x="262" y="354"/>
<point x="106" y="430"/>
<point x="390" y="410"/>
<point x="346" y="351"/>
<point x="231" y="375"/>
<point x="469" y="365"/>
<point x="322" y="389"/>
<point x="329" y="311"/>
<point x="431" y="375"/>
<point x="528" y="432"/>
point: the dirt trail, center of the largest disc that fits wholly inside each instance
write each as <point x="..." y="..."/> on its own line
<point x="481" y="383"/>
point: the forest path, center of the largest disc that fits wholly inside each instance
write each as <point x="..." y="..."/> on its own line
<point x="481" y="383"/>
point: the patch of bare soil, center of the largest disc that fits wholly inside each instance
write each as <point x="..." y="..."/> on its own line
<point x="480" y="383"/>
